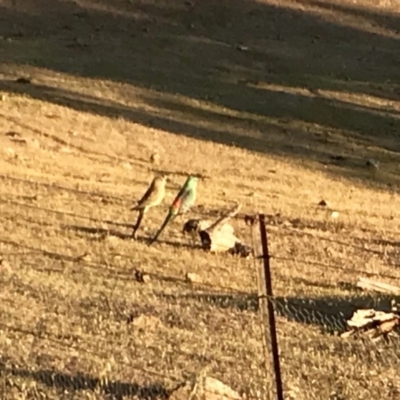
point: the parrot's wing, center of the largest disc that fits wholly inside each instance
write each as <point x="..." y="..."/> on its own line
<point x="187" y="200"/>
<point x="182" y="191"/>
<point x="147" y="195"/>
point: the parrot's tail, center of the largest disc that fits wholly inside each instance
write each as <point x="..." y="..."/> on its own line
<point x="167" y="220"/>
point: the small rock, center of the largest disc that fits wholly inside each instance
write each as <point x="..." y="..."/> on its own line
<point x="146" y="322"/>
<point x="65" y="149"/>
<point x="335" y="214"/>
<point x="371" y="163"/>
<point x="215" y="389"/>
<point x="193" y="278"/>
<point x="5" y="266"/>
<point x="10" y="151"/>
<point x="84" y="257"/>
<point x="242" y="48"/>
<point x="34" y="143"/>
<point x="323" y="203"/>
<point x="52" y="116"/>
<point x="3" y="97"/>
<point x="141" y="277"/>
<point x="113" y="240"/>
<point x="205" y="389"/>
<point x="126" y="165"/>
<point x="155" y="158"/>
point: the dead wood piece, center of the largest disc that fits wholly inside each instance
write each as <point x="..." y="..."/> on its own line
<point x="224" y="219"/>
<point x="219" y="240"/>
<point x="389" y="326"/>
<point x="364" y="318"/>
<point x="220" y="236"/>
<point x="204" y="388"/>
<point x="347" y="334"/>
<point x="360" y="318"/>
<point x="369" y="284"/>
<point x="372" y="323"/>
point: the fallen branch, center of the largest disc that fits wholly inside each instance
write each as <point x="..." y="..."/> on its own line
<point x="372" y="323"/>
<point x="368" y="284"/>
<point x="218" y="236"/>
<point x="219" y="223"/>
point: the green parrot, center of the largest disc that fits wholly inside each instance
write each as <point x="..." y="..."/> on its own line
<point x="184" y="200"/>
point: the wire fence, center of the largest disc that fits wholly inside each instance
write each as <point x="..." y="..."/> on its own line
<point x="316" y="359"/>
<point x="87" y="314"/>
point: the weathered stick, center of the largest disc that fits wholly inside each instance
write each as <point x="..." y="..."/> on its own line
<point x="219" y="236"/>
<point x="224" y="219"/>
<point x="368" y="284"/>
<point x="372" y="323"/>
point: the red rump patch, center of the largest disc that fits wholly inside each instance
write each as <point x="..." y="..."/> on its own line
<point x="176" y="203"/>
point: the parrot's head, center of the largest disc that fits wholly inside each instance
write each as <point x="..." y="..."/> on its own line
<point x="192" y="181"/>
<point x="160" y="180"/>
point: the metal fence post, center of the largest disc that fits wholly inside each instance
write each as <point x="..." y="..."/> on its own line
<point x="268" y="311"/>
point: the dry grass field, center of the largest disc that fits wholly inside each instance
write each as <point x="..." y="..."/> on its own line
<point x="277" y="104"/>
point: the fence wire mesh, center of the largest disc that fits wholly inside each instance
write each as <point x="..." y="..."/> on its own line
<point x="77" y="322"/>
<point x="315" y="294"/>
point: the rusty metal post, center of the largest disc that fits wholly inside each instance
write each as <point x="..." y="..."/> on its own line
<point x="269" y="319"/>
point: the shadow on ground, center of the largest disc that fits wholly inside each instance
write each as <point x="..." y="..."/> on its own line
<point x="306" y="79"/>
<point x="328" y="313"/>
<point x="103" y="233"/>
<point x="80" y="382"/>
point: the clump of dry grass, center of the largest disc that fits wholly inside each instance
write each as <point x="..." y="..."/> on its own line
<point x="76" y="148"/>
